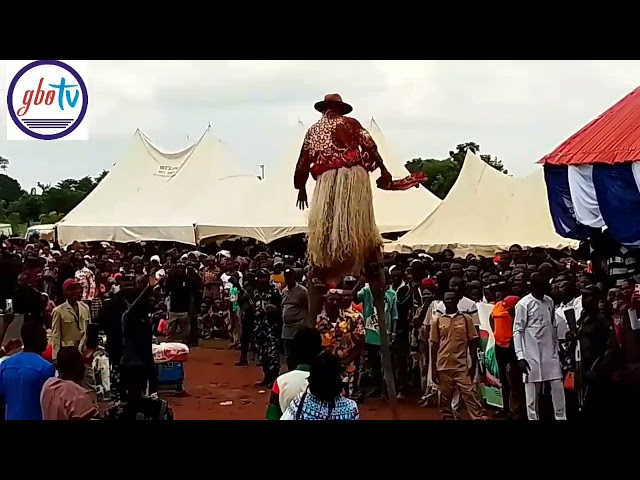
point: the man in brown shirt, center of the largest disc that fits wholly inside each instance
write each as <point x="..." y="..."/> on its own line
<point x="69" y="326"/>
<point x="69" y="323"/>
<point x="452" y="336"/>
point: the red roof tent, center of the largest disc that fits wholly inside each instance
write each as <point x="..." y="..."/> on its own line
<point x="613" y="137"/>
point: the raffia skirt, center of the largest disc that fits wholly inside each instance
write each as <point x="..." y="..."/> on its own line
<point x="343" y="234"/>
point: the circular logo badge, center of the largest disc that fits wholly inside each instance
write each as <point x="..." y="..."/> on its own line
<point x="47" y="99"/>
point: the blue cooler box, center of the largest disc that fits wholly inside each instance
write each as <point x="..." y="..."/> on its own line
<point x="170" y="376"/>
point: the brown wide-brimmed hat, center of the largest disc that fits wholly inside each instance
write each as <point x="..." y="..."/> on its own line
<point x="334" y="101"/>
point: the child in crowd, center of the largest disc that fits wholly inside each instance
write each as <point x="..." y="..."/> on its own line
<point x="220" y="318"/>
<point x="205" y="322"/>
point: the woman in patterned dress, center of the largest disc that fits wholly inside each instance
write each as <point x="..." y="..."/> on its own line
<point x="342" y="331"/>
<point x="211" y="280"/>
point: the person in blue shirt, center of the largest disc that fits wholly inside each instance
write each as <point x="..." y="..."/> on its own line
<point x="22" y="375"/>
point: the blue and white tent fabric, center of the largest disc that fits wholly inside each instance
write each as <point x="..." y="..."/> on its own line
<point x="593" y="179"/>
<point x="587" y="197"/>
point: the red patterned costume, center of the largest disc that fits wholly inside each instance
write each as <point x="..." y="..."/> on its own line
<point x="339" y="153"/>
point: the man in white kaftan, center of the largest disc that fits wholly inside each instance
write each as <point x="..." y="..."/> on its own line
<point x="536" y="345"/>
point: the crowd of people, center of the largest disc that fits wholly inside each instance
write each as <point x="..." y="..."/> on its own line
<point x="565" y="328"/>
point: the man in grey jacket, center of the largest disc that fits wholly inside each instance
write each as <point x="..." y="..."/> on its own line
<point x="295" y="306"/>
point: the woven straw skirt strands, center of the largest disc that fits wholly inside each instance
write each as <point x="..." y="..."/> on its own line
<point x="342" y="226"/>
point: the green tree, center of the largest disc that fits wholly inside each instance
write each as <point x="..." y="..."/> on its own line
<point x="442" y="174"/>
<point x="4" y="215"/>
<point x="100" y="177"/>
<point x="10" y="189"/>
<point x="461" y="151"/>
<point x="4" y="163"/>
<point x="23" y="209"/>
<point x="495" y="163"/>
<point x="66" y="194"/>
<point x="28" y="208"/>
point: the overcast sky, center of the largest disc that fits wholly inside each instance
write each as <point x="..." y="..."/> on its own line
<point x="517" y="110"/>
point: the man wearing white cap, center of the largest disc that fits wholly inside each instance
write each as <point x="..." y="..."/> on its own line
<point x="154" y="263"/>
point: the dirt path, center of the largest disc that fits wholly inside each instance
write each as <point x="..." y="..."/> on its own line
<point x="212" y="378"/>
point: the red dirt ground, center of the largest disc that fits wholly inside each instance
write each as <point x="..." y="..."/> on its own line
<point x="211" y="378"/>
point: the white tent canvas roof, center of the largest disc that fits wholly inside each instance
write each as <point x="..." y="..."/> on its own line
<point x="141" y="199"/>
<point x="246" y="206"/>
<point x="200" y="192"/>
<point x="269" y="212"/>
<point x="485" y="212"/>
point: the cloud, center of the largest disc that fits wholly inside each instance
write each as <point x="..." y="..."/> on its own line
<point x="517" y="110"/>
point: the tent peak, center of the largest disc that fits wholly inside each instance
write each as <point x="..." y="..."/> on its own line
<point x="375" y="125"/>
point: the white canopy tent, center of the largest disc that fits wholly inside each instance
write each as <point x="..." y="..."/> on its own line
<point x="201" y="192"/>
<point x="139" y="198"/>
<point x="246" y="206"/>
<point x="267" y="209"/>
<point x="485" y="212"/>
